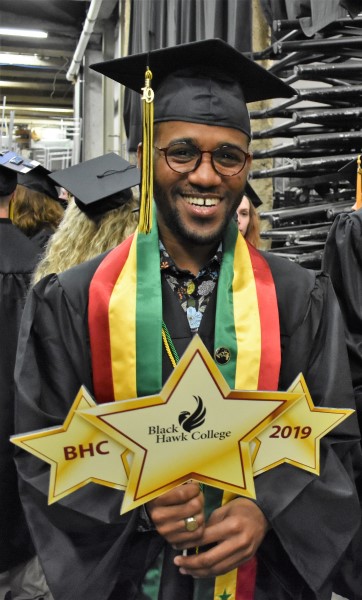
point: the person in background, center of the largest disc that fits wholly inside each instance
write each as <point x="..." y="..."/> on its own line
<point x="37" y="209"/>
<point x="64" y="197"/>
<point x="342" y="260"/>
<point x="95" y="219"/>
<point x="21" y="577"/>
<point x="102" y="322"/>
<point x="247" y="217"/>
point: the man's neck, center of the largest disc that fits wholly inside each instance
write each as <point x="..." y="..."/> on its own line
<point x="4" y="206"/>
<point x="4" y="212"/>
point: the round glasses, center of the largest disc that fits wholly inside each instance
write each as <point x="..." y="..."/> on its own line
<point x="184" y="157"/>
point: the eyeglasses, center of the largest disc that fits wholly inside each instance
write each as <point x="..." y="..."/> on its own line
<point x="184" y="157"/>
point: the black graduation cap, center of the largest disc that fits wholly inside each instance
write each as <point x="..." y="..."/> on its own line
<point x="37" y="179"/>
<point x="99" y="184"/>
<point x="16" y="162"/>
<point x="8" y="179"/>
<point x="252" y="195"/>
<point x="13" y="163"/>
<point x="203" y="82"/>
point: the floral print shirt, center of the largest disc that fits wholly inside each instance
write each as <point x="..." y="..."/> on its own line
<point x="193" y="291"/>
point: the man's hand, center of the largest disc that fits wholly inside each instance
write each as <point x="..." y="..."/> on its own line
<point x="169" y="511"/>
<point x="236" y="530"/>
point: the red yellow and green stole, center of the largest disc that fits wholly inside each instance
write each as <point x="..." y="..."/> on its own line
<point x="125" y="325"/>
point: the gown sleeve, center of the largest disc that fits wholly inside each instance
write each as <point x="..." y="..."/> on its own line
<point x="18" y="258"/>
<point x="80" y="538"/>
<point x="15" y="542"/>
<point x="313" y="518"/>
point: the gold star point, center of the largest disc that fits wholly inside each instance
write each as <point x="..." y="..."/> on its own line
<point x="77" y="453"/>
<point x="294" y="437"/>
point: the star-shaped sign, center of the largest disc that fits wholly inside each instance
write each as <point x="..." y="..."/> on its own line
<point x="294" y="437"/>
<point x="196" y="428"/>
<point x="77" y="453"/>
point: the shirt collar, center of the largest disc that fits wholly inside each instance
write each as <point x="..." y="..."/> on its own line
<point x="166" y="262"/>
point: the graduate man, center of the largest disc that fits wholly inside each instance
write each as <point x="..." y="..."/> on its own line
<point x="193" y="272"/>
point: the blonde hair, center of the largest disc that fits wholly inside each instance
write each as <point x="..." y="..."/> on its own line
<point x="79" y="238"/>
<point x="33" y="210"/>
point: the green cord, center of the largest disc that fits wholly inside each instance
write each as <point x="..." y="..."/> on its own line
<point x="170" y="342"/>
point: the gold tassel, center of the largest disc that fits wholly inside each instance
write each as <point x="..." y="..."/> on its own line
<point x="145" y="222"/>
<point x="359" y="184"/>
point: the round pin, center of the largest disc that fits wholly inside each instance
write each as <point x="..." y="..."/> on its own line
<point x="222" y="355"/>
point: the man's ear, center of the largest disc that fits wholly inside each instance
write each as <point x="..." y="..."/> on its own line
<point x="139" y="155"/>
<point x="249" y="162"/>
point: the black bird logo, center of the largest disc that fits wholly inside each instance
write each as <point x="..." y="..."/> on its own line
<point x="193" y="420"/>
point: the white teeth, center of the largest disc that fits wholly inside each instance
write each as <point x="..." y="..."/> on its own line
<point x="203" y="201"/>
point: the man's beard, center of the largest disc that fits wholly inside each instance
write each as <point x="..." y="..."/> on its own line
<point x="174" y="223"/>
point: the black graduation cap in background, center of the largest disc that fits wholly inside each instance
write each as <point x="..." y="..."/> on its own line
<point x="30" y="173"/>
<point x="37" y="179"/>
<point x="252" y="195"/>
<point x="8" y="180"/>
<point x="12" y="164"/>
<point x="99" y="184"/>
<point x="17" y="163"/>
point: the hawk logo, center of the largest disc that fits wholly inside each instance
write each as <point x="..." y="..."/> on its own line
<point x="190" y="421"/>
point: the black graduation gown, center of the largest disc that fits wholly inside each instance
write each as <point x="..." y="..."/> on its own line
<point x="88" y="551"/>
<point x="342" y="260"/>
<point x="41" y="237"/>
<point x="18" y="257"/>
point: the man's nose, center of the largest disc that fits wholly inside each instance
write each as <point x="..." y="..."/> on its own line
<point x="205" y="174"/>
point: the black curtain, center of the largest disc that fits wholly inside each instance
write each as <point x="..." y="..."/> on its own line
<point x="162" y="23"/>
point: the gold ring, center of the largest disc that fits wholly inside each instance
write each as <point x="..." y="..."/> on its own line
<point x="191" y="524"/>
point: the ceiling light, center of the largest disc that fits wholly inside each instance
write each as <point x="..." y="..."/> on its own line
<point x="32" y="33"/>
<point x="20" y="60"/>
<point x="64" y="111"/>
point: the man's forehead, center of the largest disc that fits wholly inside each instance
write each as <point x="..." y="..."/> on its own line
<point x="197" y="133"/>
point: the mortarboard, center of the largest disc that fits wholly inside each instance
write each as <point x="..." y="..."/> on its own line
<point x="252" y="195"/>
<point x="8" y="179"/>
<point x="17" y="163"/>
<point x="203" y="82"/>
<point x="37" y="179"/>
<point x="99" y="184"/>
<point x="206" y="82"/>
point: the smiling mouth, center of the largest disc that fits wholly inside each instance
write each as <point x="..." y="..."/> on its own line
<point x="197" y="201"/>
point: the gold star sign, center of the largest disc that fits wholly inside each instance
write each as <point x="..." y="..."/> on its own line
<point x="294" y="437"/>
<point x="77" y="453"/>
<point x="196" y="428"/>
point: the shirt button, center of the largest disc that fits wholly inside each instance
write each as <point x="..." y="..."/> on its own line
<point x="190" y="288"/>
